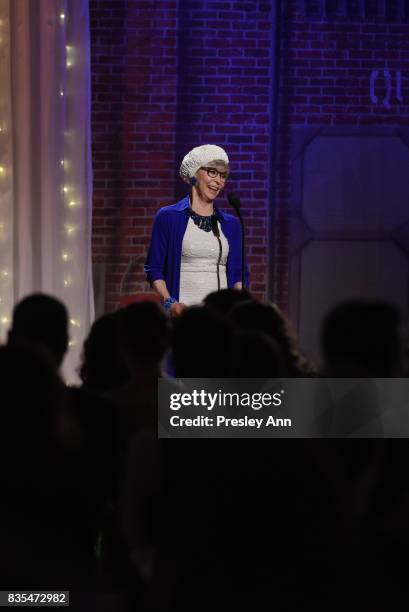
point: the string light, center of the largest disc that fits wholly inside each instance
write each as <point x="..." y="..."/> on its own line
<point x="69" y="53"/>
<point x="71" y="198"/>
<point x="4" y="172"/>
<point x="68" y="281"/>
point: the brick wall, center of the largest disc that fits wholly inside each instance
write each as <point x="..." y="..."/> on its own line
<point x="326" y="67"/>
<point x="224" y="96"/>
<point x="168" y="76"/>
<point x="134" y="76"/>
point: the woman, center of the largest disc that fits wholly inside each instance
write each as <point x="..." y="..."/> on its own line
<point x="195" y="248"/>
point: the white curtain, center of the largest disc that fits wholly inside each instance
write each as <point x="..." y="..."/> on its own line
<point x="45" y="160"/>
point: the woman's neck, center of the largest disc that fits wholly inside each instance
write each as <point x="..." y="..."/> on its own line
<point x="201" y="206"/>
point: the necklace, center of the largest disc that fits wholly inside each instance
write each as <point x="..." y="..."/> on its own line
<point x="203" y="222"/>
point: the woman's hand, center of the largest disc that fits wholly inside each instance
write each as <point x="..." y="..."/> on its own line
<point x="177" y="308"/>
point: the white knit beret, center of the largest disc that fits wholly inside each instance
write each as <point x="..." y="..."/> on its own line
<point x="201" y="156"/>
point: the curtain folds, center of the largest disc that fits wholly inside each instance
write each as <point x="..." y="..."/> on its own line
<point x="45" y="153"/>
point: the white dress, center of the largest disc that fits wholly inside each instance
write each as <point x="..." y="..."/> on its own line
<point x="198" y="269"/>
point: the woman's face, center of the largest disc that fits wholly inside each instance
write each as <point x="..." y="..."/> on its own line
<point x="211" y="180"/>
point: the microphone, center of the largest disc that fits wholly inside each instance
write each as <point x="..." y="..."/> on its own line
<point x="234" y="201"/>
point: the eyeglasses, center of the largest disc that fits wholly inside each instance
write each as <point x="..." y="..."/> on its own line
<point x="213" y="173"/>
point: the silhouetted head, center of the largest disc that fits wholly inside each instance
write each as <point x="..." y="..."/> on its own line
<point x="362" y="338"/>
<point x="41" y="321"/>
<point x="221" y="302"/>
<point x="256" y="355"/>
<point x="103" y="367"/>
<point x="202" y="344"/>
<point x="144" y="334"/>
<point x="268" y="318"/>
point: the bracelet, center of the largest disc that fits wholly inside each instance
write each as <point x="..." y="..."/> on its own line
<point x="167" y="304"/>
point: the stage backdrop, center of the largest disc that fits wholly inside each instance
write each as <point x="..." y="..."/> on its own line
<point x="45" y="163"/>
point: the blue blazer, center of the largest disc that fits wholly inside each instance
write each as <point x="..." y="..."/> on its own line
<point x="165" y="250"/>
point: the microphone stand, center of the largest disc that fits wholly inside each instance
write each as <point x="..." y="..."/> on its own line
<point x="243" y="275"/>
<point x="234" y="201"/>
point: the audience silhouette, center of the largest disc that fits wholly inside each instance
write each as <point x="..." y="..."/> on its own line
<point x="269" y="319"/>
<point x="143" y="338"/>
<point x="94" y="502"/>
<point x="103" y="367"/>
<point x="48" y="512"/>
<point x="202" y="345"/>
<point x="363" y="338"/>
<point x="41" y="321"/>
